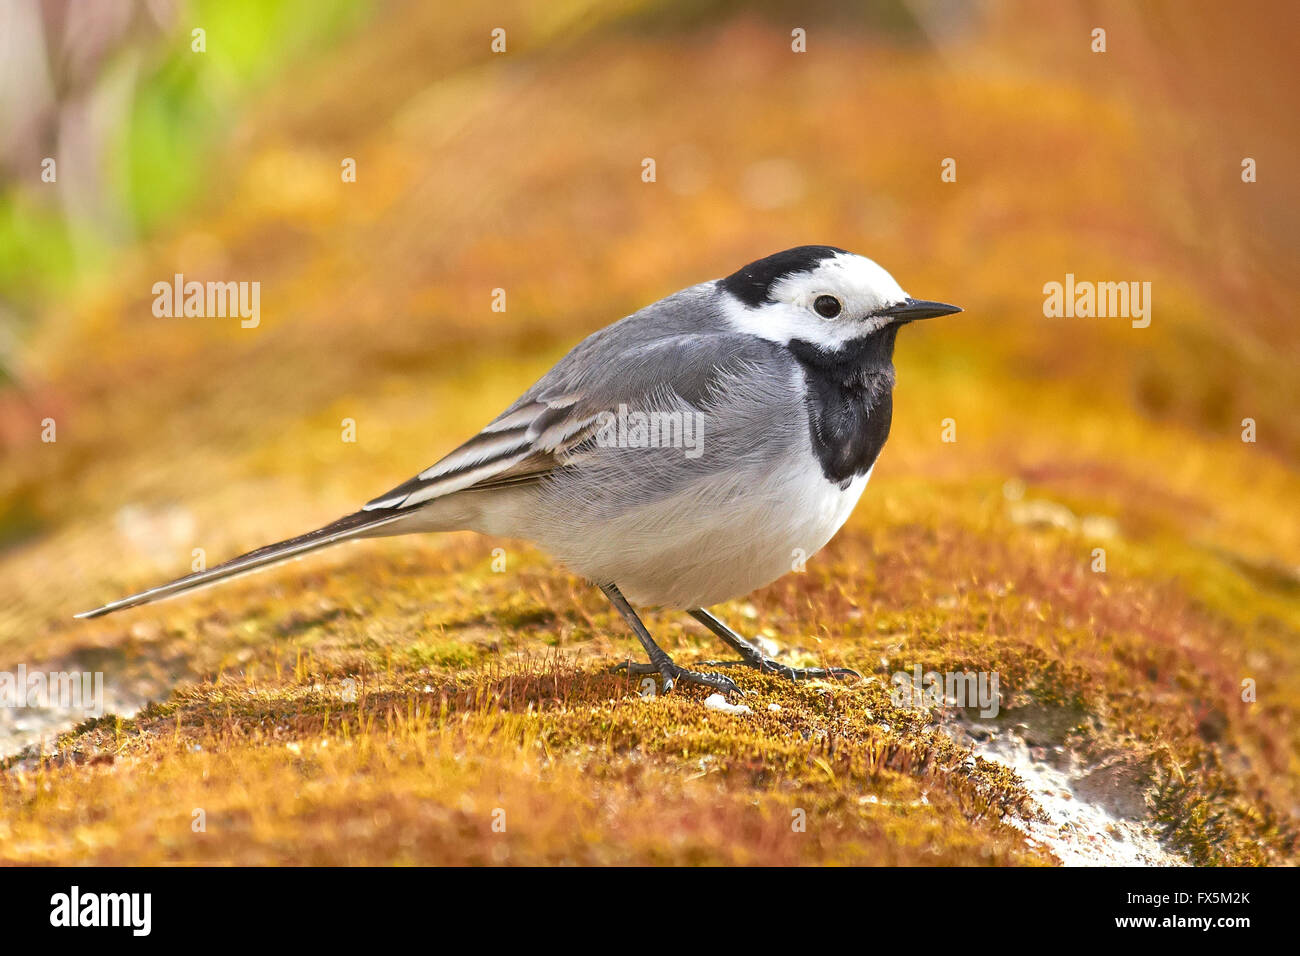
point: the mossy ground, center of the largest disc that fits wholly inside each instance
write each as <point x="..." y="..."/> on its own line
<point x="391" y="701"/>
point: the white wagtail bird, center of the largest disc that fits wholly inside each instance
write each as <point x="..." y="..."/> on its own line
<point x="783" y="372"/>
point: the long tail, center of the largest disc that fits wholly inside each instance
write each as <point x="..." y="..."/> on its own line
<point x="349" y="526"/>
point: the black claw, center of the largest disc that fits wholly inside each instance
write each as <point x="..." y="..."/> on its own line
<point x="752" y="655"/>
<point x="635" y="668"/>
<point x="845" y="672"/>
<point x="673" y="675"/>
<point x="715" y="681"/>
<point x="768" y="666"/>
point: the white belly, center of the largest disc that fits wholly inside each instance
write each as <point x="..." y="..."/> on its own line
<point x="712" y="542"/>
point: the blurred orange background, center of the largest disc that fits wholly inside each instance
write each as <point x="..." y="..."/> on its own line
<point x="522" y="171"/>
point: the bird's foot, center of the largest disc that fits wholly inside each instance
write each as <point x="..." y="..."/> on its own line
<point x="751" y="654"/>
<point x="673" y="675"/>
<point x="766" y="665"/>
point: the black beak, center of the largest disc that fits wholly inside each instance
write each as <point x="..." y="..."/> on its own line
<point x="909" y="310"/>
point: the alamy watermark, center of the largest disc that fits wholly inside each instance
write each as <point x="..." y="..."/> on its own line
<point x="195" y="299"/>
<point x="133" y="911"/>
<point x="1102" y="300"/>
<point x="56" y="690"/>
<point x="657" y="429"/>
<point x="967" y="689"/>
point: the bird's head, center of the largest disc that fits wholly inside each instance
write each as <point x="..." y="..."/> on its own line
<point x="820" y="295"/>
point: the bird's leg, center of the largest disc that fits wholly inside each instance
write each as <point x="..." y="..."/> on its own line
<point x="752" y="655"/>
<point x="660" y="662"/>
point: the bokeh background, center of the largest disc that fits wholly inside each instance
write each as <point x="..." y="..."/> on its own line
<point x="522" y="171"/>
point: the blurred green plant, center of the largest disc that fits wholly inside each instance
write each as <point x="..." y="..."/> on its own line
<point x="180" y="110"/>
<point x="159" y="158"/>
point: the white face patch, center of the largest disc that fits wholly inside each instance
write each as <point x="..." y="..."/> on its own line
<point x="861" y="285"/>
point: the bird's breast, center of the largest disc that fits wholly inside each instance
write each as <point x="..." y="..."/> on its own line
<point x="714" y="540"/>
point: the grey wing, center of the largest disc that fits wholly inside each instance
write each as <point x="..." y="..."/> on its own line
<point x="733" y="380"/>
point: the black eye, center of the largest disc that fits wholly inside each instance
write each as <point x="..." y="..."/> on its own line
<point x="827" y="306"/>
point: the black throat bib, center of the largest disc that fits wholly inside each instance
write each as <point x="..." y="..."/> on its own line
<point x="850" y="401"/>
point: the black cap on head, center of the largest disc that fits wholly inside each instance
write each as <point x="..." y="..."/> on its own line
<point x="752" y="284"/>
